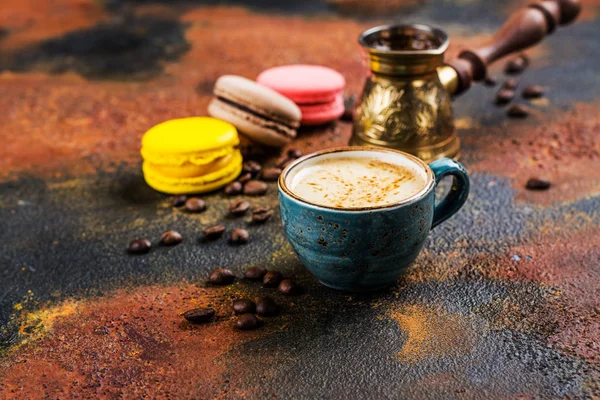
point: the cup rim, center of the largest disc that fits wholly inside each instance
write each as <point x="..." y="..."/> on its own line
<point x="424" y="192"/>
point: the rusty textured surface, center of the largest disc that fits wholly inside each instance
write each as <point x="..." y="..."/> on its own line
<point x="502" y="303"/>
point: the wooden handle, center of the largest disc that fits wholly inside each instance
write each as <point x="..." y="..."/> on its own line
<point x="524" y="29"/>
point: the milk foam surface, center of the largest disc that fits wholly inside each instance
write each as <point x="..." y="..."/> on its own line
<point x="355" y="182"/>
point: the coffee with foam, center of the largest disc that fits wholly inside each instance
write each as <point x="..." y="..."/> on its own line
<point x="357" y="179"/>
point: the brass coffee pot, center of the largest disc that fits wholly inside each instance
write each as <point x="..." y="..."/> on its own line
<point x="406" y="100"/>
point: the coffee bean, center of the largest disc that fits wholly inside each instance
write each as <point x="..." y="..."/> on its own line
<point x="239" y="236"/>
<point x="213" y="232"/>
<point x="261" y="214"/>
<point x="233" y="188"/>
<point x="285" y="162"/>
<point x="266" y="306"/>
<point x="171" y="238"/>
<point x="195" y="205"/>
<point x="537" y="184"/>
<point x="244" y="306"/>
<point x="288" y="287"/>
<point x="239" y="208"/>
<point x="533" y="92"/>
<point x="178" y="201"/>
<point x="244" y="178"/>
<point x="255" y="188"/>
<point x="270" y="174"/>
<point x="221" y="276"/>
<point x="139" y="246"/>
<point x="252" y="167"/>
<point x="255" y="273"/>
<point x="510" y="84"/>
<point x="246" y="322"/>
<point x="199" y="315"/>
<point x="504" y="96"/>
<point x="294" y="153"/>
<point x="272" y="279"/>
<point x="490" y="80"/>
<point x="516" y="65"/>
<point x="518" y="111"/>
<point x="349" y="104"/>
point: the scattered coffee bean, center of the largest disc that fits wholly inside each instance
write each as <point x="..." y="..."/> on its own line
<point x="272" y="279"/>
<point x="213" y="232"/>
<point x="233" y="188"/>
<point x="349" y="104"/>
<point x="244" y="178"/>
<point x="239" y="208"/>
<point x="139" y="246"/>
<point x="504" y="96"/>
<point x="199" y="315"/>
<point x="518" y="111"/>
<point x="266" y="306"/>
<point x="239" y="236"/>
<point x="255" y="273"/>
<point x="285" y="162"/>
<point x="252" y="167"/>
<point x="246" y="322"/>
<point x="178" y="201"/>
<point x="171" y="238"/>
<point x="510" y="84"/>
<point x="244" y="306"/>
<point x="255" y="188"/>
<point x="221" y="276"/>
<point x="490" y="80"/>
<point x="270" y="174"/>
<point x="288" y="287"/>
<point x="195" y="205"/>
<point x="537" y="184"/>
<point x="533" y="92"/>
<point x="261" y="214"/>
<point x="516" y="65"/>
<point x="294" y="153"/>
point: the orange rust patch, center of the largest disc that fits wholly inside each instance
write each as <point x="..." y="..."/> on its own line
<point x="569" y="262"/>
<point x="590" y="9"/>
<point x="374" y="8"/>
<point x="558" y="149"/>
<point x="30" y="21"/>
<point x="64" y="124"/>
<point x="131" y="344"/>
<point x="431" y="334"/>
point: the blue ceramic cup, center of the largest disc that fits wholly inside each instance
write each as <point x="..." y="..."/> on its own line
<point x="364" y="249"/>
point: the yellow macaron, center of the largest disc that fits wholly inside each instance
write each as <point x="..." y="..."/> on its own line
<point x="191" y="155"/>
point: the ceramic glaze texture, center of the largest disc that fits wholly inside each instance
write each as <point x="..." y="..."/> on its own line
<point x="357" y="250"/>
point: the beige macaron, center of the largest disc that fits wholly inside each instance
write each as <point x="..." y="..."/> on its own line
<point x="258" y="112"/>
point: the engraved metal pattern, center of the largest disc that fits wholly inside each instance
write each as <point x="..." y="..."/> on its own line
<point x="405" y="113"/>
<point x="413" y="115"/>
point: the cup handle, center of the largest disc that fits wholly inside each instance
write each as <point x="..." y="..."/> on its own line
<point x="459" y="192"/>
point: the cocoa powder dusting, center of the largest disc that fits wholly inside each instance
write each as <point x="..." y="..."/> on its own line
<point x="431" y="333"/>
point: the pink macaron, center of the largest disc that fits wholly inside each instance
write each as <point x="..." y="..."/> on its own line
<point x="317" y="90"/>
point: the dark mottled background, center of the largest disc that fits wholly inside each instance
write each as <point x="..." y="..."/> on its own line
<point x="502" y="303"/>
